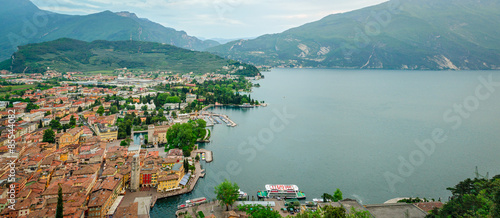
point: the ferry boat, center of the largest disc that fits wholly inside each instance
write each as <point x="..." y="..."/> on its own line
<point x="192" y="202"/>
<point x="246" y="105"/>
<point x="242" y="195"/>
<point x="281" y="191"/>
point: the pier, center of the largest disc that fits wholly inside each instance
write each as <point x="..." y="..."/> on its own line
<point x="212" y="118"/>
<point x="225" y="119"/>
<point x="208" y="154"/>
<point x="153" y="201"/>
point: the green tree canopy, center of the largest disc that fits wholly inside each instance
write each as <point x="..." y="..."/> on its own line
<point x="259" y="211"/>
<point x="55" y="124"/>
<point x="72" y="121"/>
<point x="49" y="136"/>
<point x="113" y="109"/>
<point x="337" y="196"/>
<point x="478" y="197"/>
<point x="100" y="111"/>
<point x="227" y="193"/>
<point x="59" y="209"/>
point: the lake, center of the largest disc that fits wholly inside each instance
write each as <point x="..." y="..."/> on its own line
<point x="374" y="134"/>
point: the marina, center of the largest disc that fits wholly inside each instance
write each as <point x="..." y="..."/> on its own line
<point x="213" y="118"/>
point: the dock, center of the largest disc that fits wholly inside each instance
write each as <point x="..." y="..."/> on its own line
<point x="153" y="201"/>
<point x="208" y="154"/>
<point x="225" y="119"/>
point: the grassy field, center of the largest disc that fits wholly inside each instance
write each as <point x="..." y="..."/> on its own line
<point x="103" y="72"/>
<point x="5" y="89"/>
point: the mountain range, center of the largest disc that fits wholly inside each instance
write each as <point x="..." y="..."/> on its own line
<point x="22" y="22"/>
<point x="399" y="34"/>
<point x="71" y="55"/>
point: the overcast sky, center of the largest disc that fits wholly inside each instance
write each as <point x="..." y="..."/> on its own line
<point x="216" y="18"/>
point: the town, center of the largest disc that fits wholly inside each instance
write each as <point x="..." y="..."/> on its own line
<point x="100" y="141"/>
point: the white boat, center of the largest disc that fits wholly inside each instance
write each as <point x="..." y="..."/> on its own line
<point x="192" y="202"/>
<point x="242" y="195"/>
<point x="281" y="191"/>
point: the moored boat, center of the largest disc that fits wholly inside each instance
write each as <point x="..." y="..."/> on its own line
<point x="242" y="195"/>
<point x="193" y="202"/>
<point x="246" y="105"/>
<point x="281" y="191"/>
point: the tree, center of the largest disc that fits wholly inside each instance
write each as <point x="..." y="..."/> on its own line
<point x="186" y="166"/>
<point x="80" y="109"/>
<point x="334" y="212"/>
<point x="49" y="136"/>
<point x="144" y="108"/>
<point x="40" y="124"/>
<point x="259" y="211"/>
<point x="113" y="110"/>
<point x="123" y="143"/>
<point x="47" y="113"/>
<point x="197" y="158"/>
<point x="227" y="193"/>
<point x="337" y="196"/>
<point x="181" y="136"/>
<point x="72" y="121"/>
<point x="55" y="124"/>
<point x="478" y="197"/>
<point x="174" y="115"/>
<point x="100" y="111"/>
<point x="31" y="106"/>
<point x="137" y="121"/>
<point x="59" y="210"/>
<point x="66" y="126"/>
<point x="496" y="201"/>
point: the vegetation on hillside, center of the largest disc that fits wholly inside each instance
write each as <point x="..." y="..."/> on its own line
<point x="426" y="34"/>
<point x="478" y="197"/>
<point x="65" y="55"/>
<point x="23" y="23"/>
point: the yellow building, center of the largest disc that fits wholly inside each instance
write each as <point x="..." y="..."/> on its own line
<point x="70" y="137"/>
<point x="63" y="156"/>
<point x="148" y="176"/>
<point x="168" y="182"/>
<point x="106" y="133"/>
<point x="157" y="135"/>
<point x="169" y="162"/>
<point x="88" y="114"/>
<point x="177" y="169"/>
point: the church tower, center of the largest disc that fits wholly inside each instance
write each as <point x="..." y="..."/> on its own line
<point x="135" y="173"/>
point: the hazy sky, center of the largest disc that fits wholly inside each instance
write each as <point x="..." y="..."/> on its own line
<point x="216" y="18"/>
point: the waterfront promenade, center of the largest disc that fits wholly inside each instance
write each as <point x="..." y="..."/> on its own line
<point x="130" y="197"/>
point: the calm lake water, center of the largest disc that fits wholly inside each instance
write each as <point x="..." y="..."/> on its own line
<point x="356" y="130"/>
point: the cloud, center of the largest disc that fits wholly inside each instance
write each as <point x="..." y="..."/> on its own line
<point x="61" y="9"/>
<point x="312" y="15"/>
<point x="216" y="18"/>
